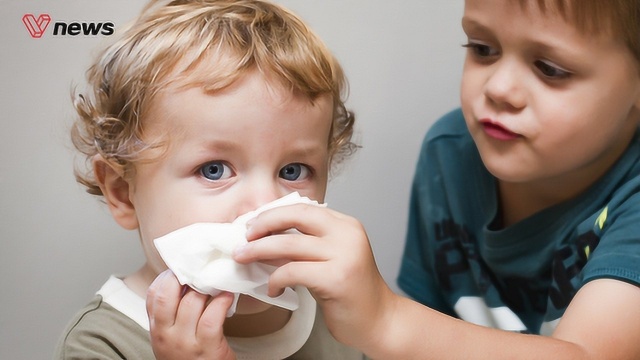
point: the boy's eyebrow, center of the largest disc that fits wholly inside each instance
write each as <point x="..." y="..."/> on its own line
<point x="470" y="24"/>
<point x="545" y="45"/>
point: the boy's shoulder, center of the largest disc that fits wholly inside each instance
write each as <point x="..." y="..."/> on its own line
<point x="448" y="135"/>
<point x="451" y="124"/>
<point x="98" y="330"/>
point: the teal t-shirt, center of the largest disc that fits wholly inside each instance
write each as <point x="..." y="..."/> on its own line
<point x="522" y="277"/>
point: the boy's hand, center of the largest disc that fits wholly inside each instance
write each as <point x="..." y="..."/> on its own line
<point x="185" y="324"/>
<point x="332" y="257"/>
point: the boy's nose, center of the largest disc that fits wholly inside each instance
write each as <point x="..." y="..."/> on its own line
<point x="505" y="85"/>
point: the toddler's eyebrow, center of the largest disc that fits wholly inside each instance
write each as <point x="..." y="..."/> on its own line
<point x="306" y="150"/>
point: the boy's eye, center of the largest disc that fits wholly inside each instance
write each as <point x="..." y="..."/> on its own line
<point x="551" y="71"/>
<point x="295" y="171"/>
<point x="481" y="50"/>
<point x="215" y="170"/>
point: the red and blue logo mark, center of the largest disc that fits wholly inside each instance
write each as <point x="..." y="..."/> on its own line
<point x="36" y="26"/>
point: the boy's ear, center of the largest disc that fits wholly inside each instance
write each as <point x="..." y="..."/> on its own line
<point x="116" y="191"/>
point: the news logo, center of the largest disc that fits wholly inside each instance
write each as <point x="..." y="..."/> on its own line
<point x="36" y="26"/>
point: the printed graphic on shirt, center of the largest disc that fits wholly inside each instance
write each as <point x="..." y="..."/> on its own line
<point x="513" y="303"/>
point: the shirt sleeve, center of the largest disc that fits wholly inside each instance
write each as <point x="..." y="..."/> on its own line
<point x="617" y="254"/>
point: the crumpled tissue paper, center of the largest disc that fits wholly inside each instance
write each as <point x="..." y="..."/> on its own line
<point x="200" y="255"/>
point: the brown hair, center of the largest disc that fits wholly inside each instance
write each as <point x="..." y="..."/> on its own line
<point x="619" y="17"/>
<point x="178" y="43"/>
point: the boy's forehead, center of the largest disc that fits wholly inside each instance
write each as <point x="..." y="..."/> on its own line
<point x="589" y="17"/>
<point x="544" y="8"/>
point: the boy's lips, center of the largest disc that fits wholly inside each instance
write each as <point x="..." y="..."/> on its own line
<point x="497" y="131"/>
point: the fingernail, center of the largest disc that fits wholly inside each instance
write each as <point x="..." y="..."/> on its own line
<point x="240" y="250"/>
<point x="156" y="282"/>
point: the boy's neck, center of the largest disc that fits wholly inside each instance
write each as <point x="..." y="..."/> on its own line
<point x="520" y="201"/>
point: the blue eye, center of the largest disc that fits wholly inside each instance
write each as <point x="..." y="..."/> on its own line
<point x="293" y="172"/>
<point x="551" y="71"/>
<point x="215" y="170"/>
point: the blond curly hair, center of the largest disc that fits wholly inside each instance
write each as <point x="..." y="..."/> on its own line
<point x="177" y="43"/>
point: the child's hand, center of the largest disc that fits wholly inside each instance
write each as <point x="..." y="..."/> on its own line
<point x="185" y="324"/>
<point x="332" y="257"/>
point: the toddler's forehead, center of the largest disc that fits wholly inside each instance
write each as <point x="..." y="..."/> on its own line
<point x="277" y="88"/>
<point x="176" y="96"/>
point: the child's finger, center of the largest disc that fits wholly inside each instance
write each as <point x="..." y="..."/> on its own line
<point x="190" y="309"/>
<point x="296" y="273"/>
<point x="163" y="297"/>
<point x="209" y="327"/>
<point x="289" y="247"/>
<point x="307" y="219"/>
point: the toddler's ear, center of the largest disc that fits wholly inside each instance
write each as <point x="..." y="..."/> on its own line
<point x="115" y="190"/>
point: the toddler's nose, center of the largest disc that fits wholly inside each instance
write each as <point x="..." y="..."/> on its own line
<point x="258" y="194"/>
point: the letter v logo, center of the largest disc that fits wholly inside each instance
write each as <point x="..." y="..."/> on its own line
<point x="36" y="27"/>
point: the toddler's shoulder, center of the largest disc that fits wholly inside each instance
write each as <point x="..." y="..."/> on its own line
<point x="100" y="331"/>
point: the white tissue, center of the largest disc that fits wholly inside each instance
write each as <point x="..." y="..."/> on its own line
<point x="200" y="255"/>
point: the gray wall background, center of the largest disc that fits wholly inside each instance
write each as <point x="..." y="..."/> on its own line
<point x="59" y="244"/>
